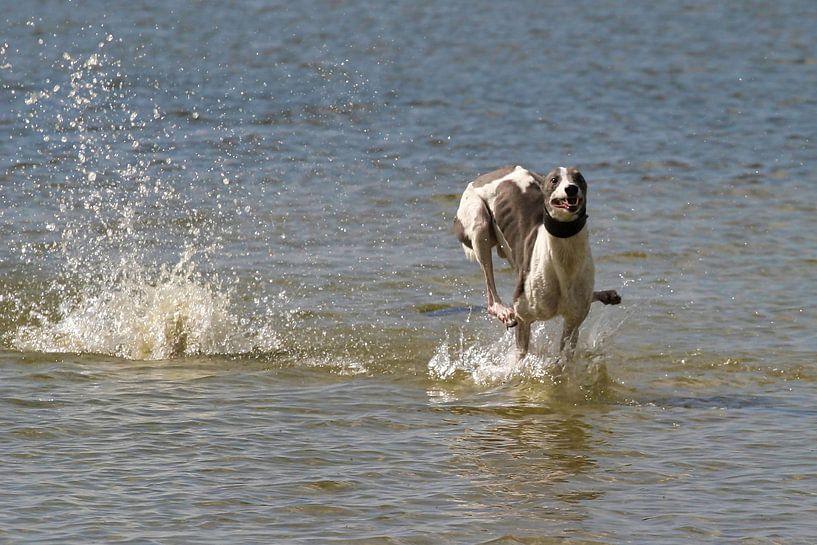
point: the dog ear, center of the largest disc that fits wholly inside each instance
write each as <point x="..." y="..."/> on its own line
<point x="579" y="179"/>
<point x="541" y="180"/>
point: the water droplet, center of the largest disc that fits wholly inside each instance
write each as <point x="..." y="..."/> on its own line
<point x="92" y="61"/>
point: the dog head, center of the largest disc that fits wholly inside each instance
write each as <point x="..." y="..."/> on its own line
<point x="565" y="194"/>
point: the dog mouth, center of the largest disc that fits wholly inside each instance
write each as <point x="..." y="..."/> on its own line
<point x="570" y="204"/>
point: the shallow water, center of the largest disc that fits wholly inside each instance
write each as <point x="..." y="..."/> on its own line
<point x="232" y="309"/>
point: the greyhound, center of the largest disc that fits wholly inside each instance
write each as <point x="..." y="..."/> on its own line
<point x="537" y="224"/>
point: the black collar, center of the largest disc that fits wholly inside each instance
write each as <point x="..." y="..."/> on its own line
<point x="564" y="229"/>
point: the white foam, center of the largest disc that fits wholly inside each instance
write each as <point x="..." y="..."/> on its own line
<point x="488" y="363"/>
<point x="178" y="314"/>
<point x="492" y="362"/>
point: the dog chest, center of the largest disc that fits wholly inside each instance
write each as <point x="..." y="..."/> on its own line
<point x="559" y="279"/>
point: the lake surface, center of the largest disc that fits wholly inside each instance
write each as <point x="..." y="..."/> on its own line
<point x="232" y="309"/>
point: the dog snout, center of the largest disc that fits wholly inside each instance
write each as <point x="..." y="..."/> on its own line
<point x="572" y="190"/>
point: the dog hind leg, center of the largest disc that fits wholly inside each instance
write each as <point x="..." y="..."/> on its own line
<point x="607" y="297"/>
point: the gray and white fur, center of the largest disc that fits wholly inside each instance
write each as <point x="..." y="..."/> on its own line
<point x="537" y="224"/>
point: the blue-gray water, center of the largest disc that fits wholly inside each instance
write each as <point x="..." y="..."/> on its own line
<point x="232" y="309"/>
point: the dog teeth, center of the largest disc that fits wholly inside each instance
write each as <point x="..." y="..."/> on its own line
<point x="565" y="203"/>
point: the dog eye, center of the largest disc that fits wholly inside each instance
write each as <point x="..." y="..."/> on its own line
<point x="554" y="181"/>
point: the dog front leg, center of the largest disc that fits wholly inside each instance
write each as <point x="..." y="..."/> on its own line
<point x="570" y="338"/>
<point x="482" y="250"/>
<point x="522" y="339"/>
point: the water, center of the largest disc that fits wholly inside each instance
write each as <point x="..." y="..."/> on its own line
<point x="232" y="309"/>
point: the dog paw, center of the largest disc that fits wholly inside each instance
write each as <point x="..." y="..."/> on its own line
<point x="607" y="297"/>
<point x="504" y="314"/>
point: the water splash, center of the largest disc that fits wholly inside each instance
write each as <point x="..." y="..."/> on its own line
<point x="125" y="235"/>
<point x="487" y="363"/>
<point x="178" y="314"/>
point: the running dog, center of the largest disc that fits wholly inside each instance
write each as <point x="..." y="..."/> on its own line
<point x="537" y="223"/>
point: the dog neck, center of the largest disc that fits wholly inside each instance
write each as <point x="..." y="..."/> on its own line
<point x="564" y="229"/>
